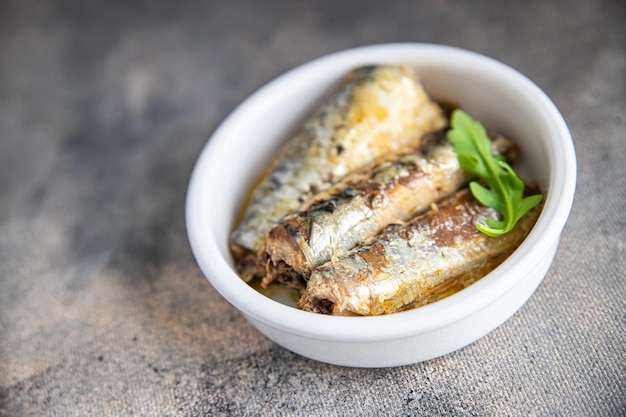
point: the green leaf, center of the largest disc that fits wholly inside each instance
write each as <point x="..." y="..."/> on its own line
<point x="527" y="204"/>
<point x="485" y="196"/>
<point x="503" y="190"/>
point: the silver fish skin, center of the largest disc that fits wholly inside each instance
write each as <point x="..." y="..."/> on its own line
<point x="363" y="204"/>
<point x="406" y="263"/>
<point x="374" y="111"/>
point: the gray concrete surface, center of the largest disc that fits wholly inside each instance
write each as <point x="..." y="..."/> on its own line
<point x="104" y="107"/>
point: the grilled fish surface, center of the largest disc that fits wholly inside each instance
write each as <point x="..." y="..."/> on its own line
<point x="406" y="263"/>
<point x="376" y="110"/>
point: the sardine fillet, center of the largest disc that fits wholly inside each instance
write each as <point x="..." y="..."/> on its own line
<point x="407" y="262"/>
<point x="376" y="110"/>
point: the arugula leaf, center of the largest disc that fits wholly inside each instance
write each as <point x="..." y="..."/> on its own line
<point x="505" y="190"/>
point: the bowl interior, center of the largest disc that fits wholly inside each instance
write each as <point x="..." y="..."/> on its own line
<point x="491" y="92"/>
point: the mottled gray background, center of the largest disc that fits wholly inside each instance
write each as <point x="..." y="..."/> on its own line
<point x="104" y="108"/>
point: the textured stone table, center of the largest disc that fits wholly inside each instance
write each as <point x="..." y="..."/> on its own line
<point x="104" y="108"/>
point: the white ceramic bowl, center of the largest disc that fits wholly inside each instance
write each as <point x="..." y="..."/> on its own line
<point x="490" y="91"/>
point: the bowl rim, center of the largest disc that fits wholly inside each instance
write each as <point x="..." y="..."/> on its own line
<point x="479" y="295"/>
